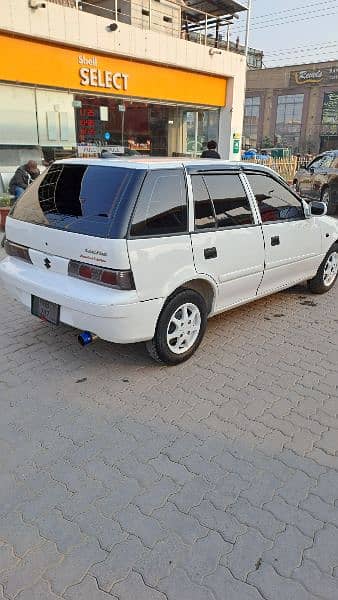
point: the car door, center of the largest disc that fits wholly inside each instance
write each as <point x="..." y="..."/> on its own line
<point x="292" y="242"/>
<point x="320" y="176"/>
<point x="227" y="240"/>
<point x="305" y="184"/>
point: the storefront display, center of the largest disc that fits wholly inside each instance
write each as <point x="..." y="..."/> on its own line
<point x="95" y="100"/>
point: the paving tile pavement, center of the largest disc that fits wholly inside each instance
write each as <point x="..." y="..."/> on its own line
<point x="217" y="479"/>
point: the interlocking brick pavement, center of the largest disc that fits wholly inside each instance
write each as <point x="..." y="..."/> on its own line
<point x="213" y="480"/>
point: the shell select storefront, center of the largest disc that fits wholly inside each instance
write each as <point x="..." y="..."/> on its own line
<point x="58" y="97"/>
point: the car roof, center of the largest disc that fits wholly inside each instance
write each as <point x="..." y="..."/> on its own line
<point x="147" y="163"/>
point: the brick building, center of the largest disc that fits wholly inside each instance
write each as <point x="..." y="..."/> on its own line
<point x="294" y="106"/>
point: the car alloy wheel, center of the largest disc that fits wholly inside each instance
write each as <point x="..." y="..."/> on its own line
<point x="180" y="327"/>
<point x="330" y="269"/>
<point x="184" y="327"/>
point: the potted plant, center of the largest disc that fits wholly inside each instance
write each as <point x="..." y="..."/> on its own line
<point x="5" y="205"/>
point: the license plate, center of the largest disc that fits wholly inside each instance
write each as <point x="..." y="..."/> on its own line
<point x="45" y="310"/>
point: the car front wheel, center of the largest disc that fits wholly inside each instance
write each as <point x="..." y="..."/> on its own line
<point x="327" y="273"/>
<point x="180" y="328"/>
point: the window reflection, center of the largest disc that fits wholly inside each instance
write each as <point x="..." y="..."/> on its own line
<point x="289" y="120"/>
<point x="251" y="119"/>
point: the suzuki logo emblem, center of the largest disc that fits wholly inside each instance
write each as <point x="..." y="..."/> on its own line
<point x="47" y="263"/>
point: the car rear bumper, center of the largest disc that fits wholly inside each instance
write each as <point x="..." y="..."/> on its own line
<point x="113" y="315"/>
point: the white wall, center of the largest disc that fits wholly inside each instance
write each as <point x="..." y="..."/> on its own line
<point x="78" y="28"/>
<point x="55" y="117"/>
<point x="17" y="116"/>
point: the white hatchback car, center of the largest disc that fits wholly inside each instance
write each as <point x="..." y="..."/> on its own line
<point x="148" y="249"/>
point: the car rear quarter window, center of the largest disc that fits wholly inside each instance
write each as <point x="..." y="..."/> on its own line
<point x="275" y="202"/>
<point x="162" y="205"/>
<point x="81" y="198"/>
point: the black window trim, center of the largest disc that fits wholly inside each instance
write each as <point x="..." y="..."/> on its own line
<point x="159" y="235"/>
<point x="284" y="185"/>
<point x="215" y="228"/>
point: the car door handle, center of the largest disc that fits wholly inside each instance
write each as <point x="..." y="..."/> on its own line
<point x="210" y="253"/>
<point x="275" y="241"/>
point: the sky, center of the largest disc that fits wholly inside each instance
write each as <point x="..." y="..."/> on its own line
<point x="292" y="31"/>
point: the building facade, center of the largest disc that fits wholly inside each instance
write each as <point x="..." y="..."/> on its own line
<point x="150" y="76"/>
<point x="294" y="106"/>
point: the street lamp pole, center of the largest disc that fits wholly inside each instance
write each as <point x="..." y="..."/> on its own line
<point x="247" y="33"/>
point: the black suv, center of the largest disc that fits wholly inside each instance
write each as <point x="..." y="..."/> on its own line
<point x="319" y="180"/>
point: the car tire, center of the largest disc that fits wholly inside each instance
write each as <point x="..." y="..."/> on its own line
<point x="327" y="273"/>
<point x="184" y="314"/>
<point x="326" y="198"/>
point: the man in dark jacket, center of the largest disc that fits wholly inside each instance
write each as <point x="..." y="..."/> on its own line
<point x="22" y="177"/>
<point x="211" y="152"/>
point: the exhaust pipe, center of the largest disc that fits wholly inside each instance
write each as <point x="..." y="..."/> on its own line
<point x="86" y="338"/>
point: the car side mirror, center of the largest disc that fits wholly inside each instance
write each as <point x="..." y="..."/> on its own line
<point x="318" y="209"/>
<point x="311" y="170"/>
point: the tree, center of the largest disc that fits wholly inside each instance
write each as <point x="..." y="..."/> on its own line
<point x="266" y="142"/>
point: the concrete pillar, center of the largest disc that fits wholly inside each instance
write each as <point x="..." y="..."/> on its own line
<point x="231" y="118"/>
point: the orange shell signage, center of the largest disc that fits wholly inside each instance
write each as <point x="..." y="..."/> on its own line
<point x="45" y="64"/>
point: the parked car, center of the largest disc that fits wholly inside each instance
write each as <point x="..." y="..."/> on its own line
<point x="252" y="153"/>
<point x="319" y="180"/>
<point x="148" y="249"/>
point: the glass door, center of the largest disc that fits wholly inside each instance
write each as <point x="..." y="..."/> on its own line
<point x="198" y="126"/>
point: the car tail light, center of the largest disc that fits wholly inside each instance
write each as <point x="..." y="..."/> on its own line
<point x="17" y="251"/>
<point x="122" y="280"/>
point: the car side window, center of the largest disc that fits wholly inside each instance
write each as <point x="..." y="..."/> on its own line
<point x="204" y="210"/>
<point x="162" y="205"/>
<point x="275" y="202"/>
<point x="326" y="162"/>
<point x="220" y="201"/>
<point x="231" y="204"/>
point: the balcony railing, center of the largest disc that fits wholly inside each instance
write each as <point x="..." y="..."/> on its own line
<point x="172" y="17"/>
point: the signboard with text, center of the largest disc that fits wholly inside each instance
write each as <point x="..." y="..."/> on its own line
<point x="48" y="64"/>
<point x="314" y="76"/>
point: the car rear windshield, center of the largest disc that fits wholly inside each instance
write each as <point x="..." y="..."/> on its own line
<point x="89" y="199"/>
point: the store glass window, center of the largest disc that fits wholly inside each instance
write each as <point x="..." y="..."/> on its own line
<point x="289" y="120"/>
<point x="251" y="119"/>
<point x="143" y="128"/>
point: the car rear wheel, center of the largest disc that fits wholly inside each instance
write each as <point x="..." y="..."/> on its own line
<point x="326" y="274"/>
<point x="180" y="328"/>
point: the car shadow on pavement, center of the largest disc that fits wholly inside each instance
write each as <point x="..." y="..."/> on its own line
<point x="214" y="479"/>
<point x="210" y="491"/>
